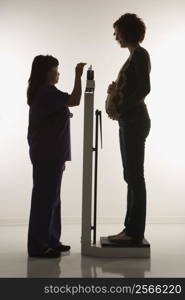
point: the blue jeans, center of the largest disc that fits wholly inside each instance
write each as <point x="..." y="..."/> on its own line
<point x="132" y="136"/>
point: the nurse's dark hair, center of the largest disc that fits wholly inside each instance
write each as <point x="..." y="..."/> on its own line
<point x="131" y="27"/>
<point x="40" y="66"/>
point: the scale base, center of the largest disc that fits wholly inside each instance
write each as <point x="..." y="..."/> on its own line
<point x="107" y="249"/>
<point x="105" y="242"/>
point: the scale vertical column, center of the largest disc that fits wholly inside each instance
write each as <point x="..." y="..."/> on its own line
<point x="87" y="163"/>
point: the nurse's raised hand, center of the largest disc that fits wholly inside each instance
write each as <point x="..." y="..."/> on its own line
<point x="75" y="96"/>
<point x="79" y="69"/>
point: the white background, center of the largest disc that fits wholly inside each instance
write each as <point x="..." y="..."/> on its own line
<point x="75" y="31"/>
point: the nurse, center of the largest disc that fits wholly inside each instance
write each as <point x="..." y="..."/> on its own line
<point x="49" y="148"/>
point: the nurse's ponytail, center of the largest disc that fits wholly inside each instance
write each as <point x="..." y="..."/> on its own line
<point x="40" y="66"/>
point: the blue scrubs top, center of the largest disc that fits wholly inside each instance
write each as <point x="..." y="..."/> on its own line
<point x="49" y="126"/>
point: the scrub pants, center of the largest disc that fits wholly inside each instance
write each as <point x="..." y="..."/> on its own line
<point x="45" y="215"/>
<point x="132" y="137"/>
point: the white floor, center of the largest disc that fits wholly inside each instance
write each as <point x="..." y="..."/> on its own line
<point x="167" y="255"/>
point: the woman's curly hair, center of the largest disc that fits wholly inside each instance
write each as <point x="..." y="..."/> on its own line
<point x="131" y="27"/>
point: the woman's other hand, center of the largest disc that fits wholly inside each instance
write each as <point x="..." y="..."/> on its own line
<point x="114" y="116"/>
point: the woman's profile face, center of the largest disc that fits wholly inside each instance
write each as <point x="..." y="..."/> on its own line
<point x="53" y="75"/>
<point x="119" y="37"/>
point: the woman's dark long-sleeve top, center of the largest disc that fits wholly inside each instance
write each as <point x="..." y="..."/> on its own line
<point x="133" y="85"/>
<point x="49" y="125"/>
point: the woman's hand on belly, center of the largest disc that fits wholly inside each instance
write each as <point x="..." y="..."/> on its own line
<point x="111" y="87"/>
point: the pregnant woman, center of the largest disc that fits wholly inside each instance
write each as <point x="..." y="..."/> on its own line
<point x="125" y="103"/>
<point x="49" y="148"/>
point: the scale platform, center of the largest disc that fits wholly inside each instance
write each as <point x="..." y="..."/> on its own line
<point x="105" y="242"/>
<point x="105" y="248"/>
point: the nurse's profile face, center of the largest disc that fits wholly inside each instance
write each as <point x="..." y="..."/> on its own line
<point x="53" y="76"/>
